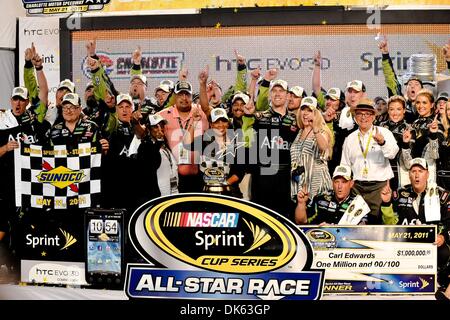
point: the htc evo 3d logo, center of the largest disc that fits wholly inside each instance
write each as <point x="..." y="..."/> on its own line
<point x="49" y="241"/>
<point x="60" y="177"/>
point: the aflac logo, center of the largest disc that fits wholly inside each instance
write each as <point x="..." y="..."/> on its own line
<point x="243" y="250"/>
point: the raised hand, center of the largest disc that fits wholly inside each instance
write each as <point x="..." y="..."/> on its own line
<point x="302" y="196"/>
<point x="249" y="108"/>
<point x="36" y="59"/>
<point x="378" y="137"/>
<point x="407" y="135"/>
<point x="196" y="115"/>
<point x="28" y="54"/>
<point x="240" y="59"/>
<point x="446" y="51"/>
<point x="434" y="126"/>
<point x="330" y="114"/>
<point x="91" y="46"/>
<point x="137" y="55"/>
<point x="271" y="74"/>
<point x="93" y="63"/>
<point x="256" y="73"/>
<point x="317" y="59"/>
<point x="183" y="75"/>
<point x="383" y="45"/>
<point x="203" y="75"/>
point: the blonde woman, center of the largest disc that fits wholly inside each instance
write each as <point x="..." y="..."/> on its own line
<point x="310" y="151"/>
<point x="426" y="134"/>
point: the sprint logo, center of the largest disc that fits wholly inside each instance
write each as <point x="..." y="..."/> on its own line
<point x="48" y="241"/>
<point x="61" y="177"/>
<point x="260" y="236"/>
<point x="70" y="239"/>
<point x="422" y="284"/>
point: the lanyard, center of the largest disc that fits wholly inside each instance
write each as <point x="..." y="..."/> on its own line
<point x="364" y="152"/>
<point x="167" y="154"/>
<point x="181" y="125"/>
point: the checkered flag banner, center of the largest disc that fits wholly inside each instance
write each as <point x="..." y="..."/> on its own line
<point x="57" y="177"/>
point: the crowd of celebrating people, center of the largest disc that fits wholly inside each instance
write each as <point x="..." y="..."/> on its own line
<point x="307" y="157"/>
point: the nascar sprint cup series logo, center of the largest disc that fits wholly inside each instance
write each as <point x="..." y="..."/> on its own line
<point x="203" y="246"/>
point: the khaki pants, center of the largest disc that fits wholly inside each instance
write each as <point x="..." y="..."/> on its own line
<point x="371" y="192"/>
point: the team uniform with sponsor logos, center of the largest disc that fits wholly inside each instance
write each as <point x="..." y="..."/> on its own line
<point x="407" y="208"/>
<point x="28" y="128"/>
<point x="85" y="131"/>
<point x="425" y="144"/>
<point x="117" y="182"/>
<point x="275" y="133"/>
<point x="326" y="208"/>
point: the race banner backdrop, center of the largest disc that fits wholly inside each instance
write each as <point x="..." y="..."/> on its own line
<point x="375" y="259"/>
<point x="44" y="33"/>
<point x="57" y="177"/>
<point x="205" y="246"/>
<point x="136" y="5"/>
<point x="348" y="52"/>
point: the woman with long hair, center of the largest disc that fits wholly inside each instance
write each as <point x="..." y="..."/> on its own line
<point x="397" y="124"/>
<point x="310" y="151"/>
<point x="422" y="140"/>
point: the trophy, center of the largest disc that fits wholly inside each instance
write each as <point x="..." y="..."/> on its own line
<point x="215" y="176"/>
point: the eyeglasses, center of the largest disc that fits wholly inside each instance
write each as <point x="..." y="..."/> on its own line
<point x="364" y="114"/>
<point x="71" y="108"/>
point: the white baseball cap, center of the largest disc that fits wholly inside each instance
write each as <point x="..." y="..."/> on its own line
<point x="279" y="82"/>
<point x="242" y="96"/>
<point x="298" y="91"/>
<point x="163" y="87"/>
<point x="140" y="77"/>
<point x="310" y="102"/>
<point x="156" y="118"/>
<point x="418" y="162"/>
<point x="124" y="97"/>
<point x="72" y="98"/>
<point x="21" y="92"/>
<point x="218" y="113"/>
<point x="358" y="85"/>
<point x="343" y="171"/>
<point x="66" y="83"/>
<point x="334" y="94"/>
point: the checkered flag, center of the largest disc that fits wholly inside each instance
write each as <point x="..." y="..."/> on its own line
<point x="57" y="177"/>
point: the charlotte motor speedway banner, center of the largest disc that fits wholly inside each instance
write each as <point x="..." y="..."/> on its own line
<point x="57" y="177"/>
<point x="375" y="259"/>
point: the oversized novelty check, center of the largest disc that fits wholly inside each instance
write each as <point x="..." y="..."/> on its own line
<point x="375" y="259"/>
